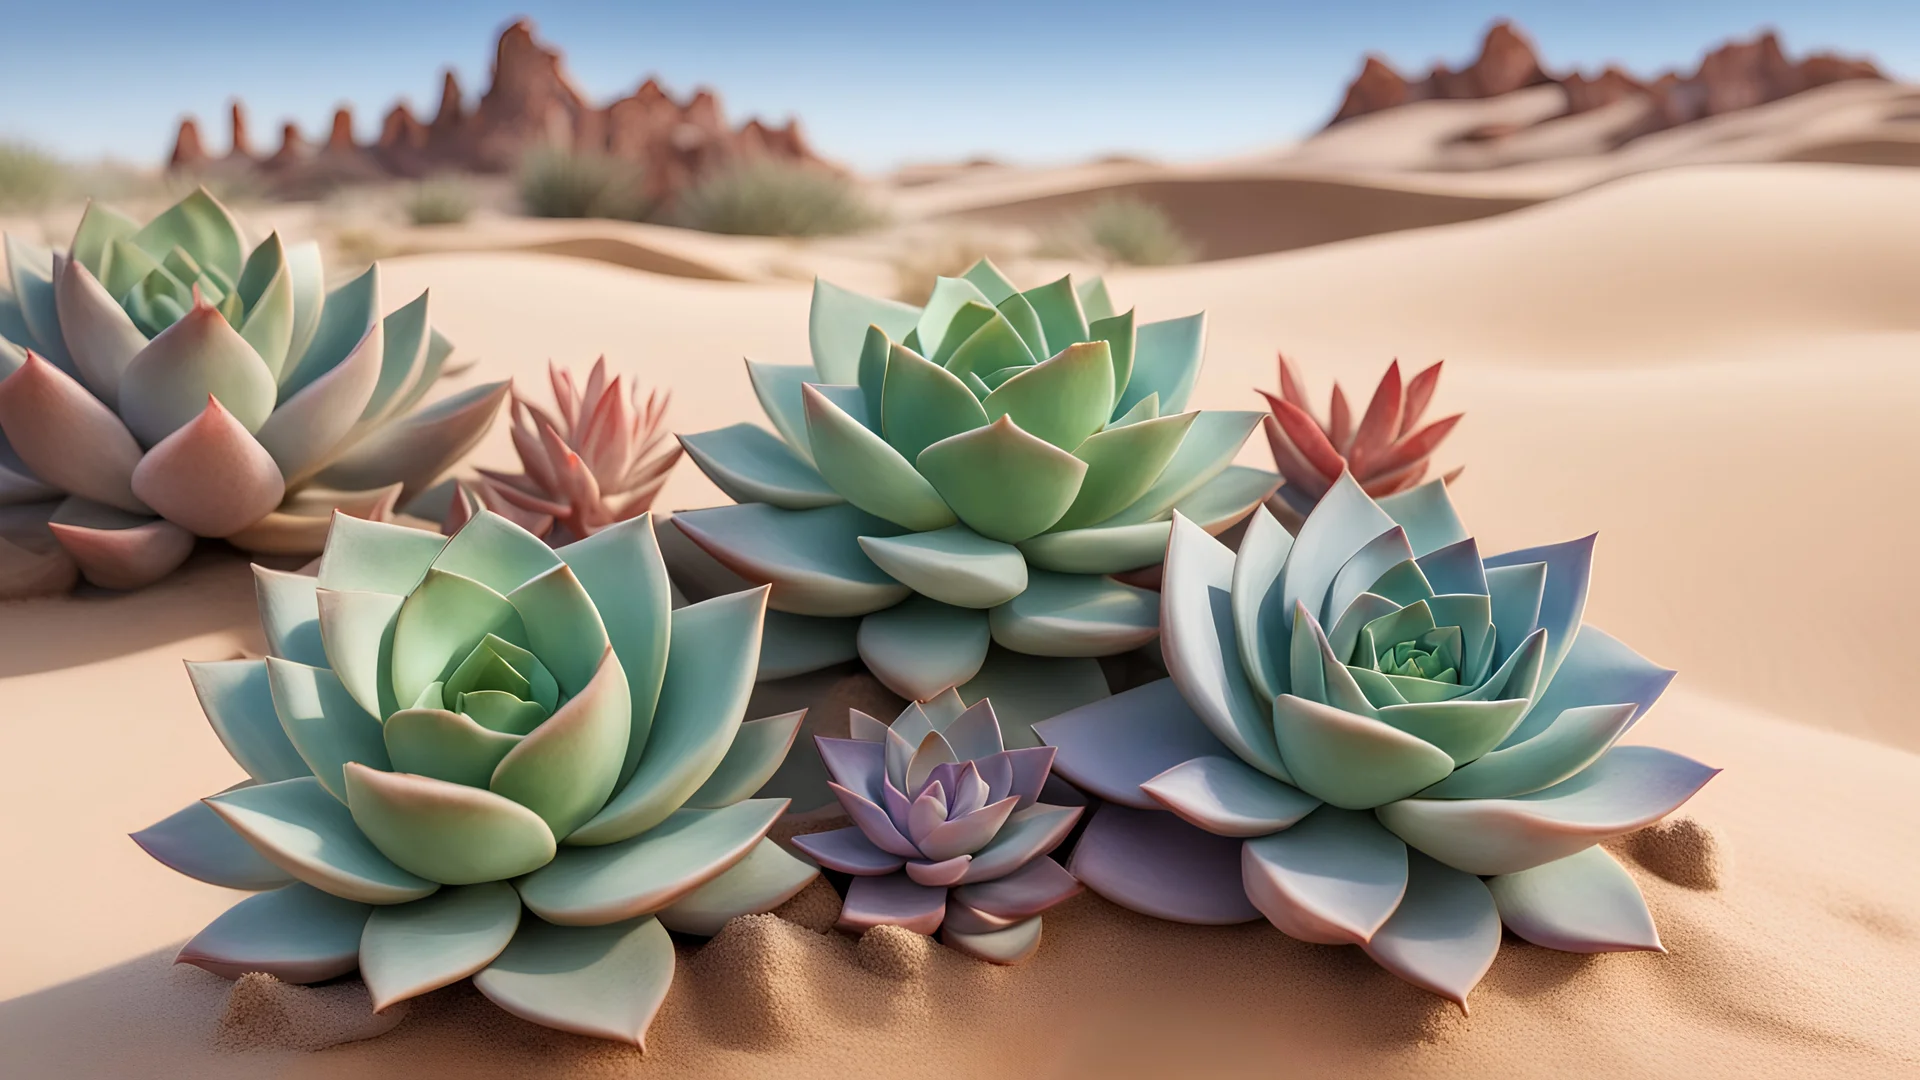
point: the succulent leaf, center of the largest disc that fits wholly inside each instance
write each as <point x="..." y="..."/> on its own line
<point x="1197" y="874"/>
<point x="750" y="465"/>
<point x="409" y="949"/>
<point x="1583" y="903"/>
<point x="765" y="879"/>
<point x="594" y="886"/>
<point x="606" y="982"/>
<point x="196" y="842"/>
<point x="297" y="934"/>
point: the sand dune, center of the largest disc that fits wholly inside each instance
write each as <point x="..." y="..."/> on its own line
<point x="1713" y="367"/>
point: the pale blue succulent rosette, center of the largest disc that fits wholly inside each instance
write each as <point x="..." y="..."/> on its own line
<point x="949" y="490"/>
<point x="485" y="757"/>
<point x="164" y="381"/>
<point x="1372" y="735"/>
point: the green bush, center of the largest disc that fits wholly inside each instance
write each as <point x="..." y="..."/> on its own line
<point x="440" y="200"/>
<point x="776" y="198"/>
<point x="562" y="184"/>
<point x="30" y="178"/>
<point x="1127" y="231"/>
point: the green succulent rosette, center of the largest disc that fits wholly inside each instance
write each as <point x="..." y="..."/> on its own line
<point x="484" y="757"/>
<point x="165" y="381"/>
<point x="969" y="473"/>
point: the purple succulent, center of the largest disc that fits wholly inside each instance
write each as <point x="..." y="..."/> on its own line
<point x="948" y="832"/>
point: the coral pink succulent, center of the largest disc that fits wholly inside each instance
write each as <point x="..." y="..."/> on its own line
<point x="591" y="466"/>
<point x="1385" y="452"/>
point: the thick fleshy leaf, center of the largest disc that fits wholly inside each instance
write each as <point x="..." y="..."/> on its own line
<point x="439" y="624"/>
<point x="1445" y="933"/>
<point x="999" y="344"/>
<point x="563" y="628"/>
<point x="67" y="437"/>
<point x="1584" y="903"/>
<point x="200" y="225"/>
<point x="848" y="851"/>
<point x="100" y="225"/>
<point x="1076" y="615"/>
<point x="497" y="553"/>
<point x="1026" y="892"/>
<point x="450" y="833"/>
<point x="1342" y="525"/>
<point x="1004" y="483"/>
<point x="954" y="565"/>
<point x="406" y="343"/>
<point x="1013" y="945"/>
<point x="195" y="841"/>
<point x="1209" y="448"/>
<point x="1101" y="549"/>
<point x="1456" y="568"/>
<point x="921" y="647"/>
<point x="1166" y="361"/>
<point x="1027" y="835"/>
<point x="941" y="874"/>
<point x="1629" y="788"/>
<point x="324" y="723"/>
<point x="1349" y="760"/>
<point x="1258" y="623"/>
<point x="869" y="473"/>
<point x="356" y="629"/>
<point x="237" y="697"/>
<point x="1569" y="567"/>
<point x="812" y="558"/>
<point x="1153" y="863"/>
<point x="33" y="272"/>
<point x="1203" y="652"/>
<point x="1367" y="565"/>
<point x="168" y="382"/>
<point x="703" y="697"/>
<point x="1228" y="797"/>
<point x="409" y="949"/>
<point x="266" y="287"/>
<point x="1427" y="513"/>
<point x="289" y="615"/>
<point x="308" y="427"/>
<point x="1334" y="878"/>
<point x="303" y="830"/>
<point x="417" y="448"/>
<point x="209" y="477"/>
<point x="892" y="900"/>
<point x="567" y="767"/>
<point x="955" y="309"/>
<point x="1108" y="748"/>
<point x="117" y="550"/>
<point x="750" y="465"/>
<point x="621" y="569"/>
<point x="765" y="879"/>
<point x="349" y="313"/>
<point x="592" y="886"/>
<point x="837" y="326"/>
<point x="1462" y="729"/>
<point x="1062" y="400"/>
<point x="1599" y="669"/>
<point x="297" y="934"/>
<point x="756" y="754"/>
<point x="1226" y="498"/>
<point x="99" y="336"/>
<point x="1122" y="464"/>
<point x="1575" y="740"/>
<point x="1057" y="304"/>
<point x="923" y="403"/>
<point x="606" y="982"/>
<point x="375" y="556"/>
<point x="445" y="745"/>
<point x="778" y="388"/>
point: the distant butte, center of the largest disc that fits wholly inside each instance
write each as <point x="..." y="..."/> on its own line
<point x="530" y="104"/>
<point x="1737" y="75"/>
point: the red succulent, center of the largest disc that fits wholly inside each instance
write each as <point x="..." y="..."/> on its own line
<point x="1386" y="451"/>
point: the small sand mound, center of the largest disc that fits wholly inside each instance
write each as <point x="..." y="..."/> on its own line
<point x="264" y="1013"/>
<point x="816" y="907"/>
<point x="1680" y="849"/>
<point x="896" y="953"/>
<point x="753" y="980"/>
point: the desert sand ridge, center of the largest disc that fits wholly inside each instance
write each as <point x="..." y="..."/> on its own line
<point x="1713" y="367"/>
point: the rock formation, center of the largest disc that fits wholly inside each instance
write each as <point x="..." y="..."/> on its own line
<point x="529" y="105"/>
<point x="1737" y="75"/>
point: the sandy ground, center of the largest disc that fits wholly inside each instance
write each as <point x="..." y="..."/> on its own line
<point x="1713" y="367"/>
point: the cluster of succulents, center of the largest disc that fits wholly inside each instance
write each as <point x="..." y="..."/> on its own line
<point x="500" y="751"/>
<point x="595" y="461"/>
<point x="972" y="472"/>
<point x="948" y="831"/>
<point x="1383" y="739"/>
<point x="1386" y="452"/>
<point x="163" y="382"/>
<point x="486" y="757"/>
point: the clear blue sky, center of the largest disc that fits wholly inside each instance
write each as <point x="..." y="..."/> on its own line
<point x="874" y="83"/>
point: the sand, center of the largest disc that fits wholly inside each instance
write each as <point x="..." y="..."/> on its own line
<point x="1713" y="367"/>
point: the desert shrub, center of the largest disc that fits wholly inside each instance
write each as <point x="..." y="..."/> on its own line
<point x="30" y="178"/>
<point x="563" y="184"/>
<point x="776" y="198"/>
<point x="439" y="200"/>
<point x="1124" y="230"/>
